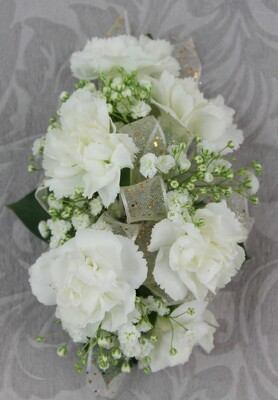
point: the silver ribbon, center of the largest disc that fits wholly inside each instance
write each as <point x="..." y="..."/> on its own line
<point x="185" y="52"/>
<point x="41" y="195"/>
<point x="145" y="201"/>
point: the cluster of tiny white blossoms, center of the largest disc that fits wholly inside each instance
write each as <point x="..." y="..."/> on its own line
<point x="122" y="301"/>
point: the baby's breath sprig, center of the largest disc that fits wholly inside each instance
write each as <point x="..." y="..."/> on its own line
<point x="73" y="212"/>
<point x="37" y="153"/>
<point x="211" y="176"/>
<point x="127" y="96"/>
<point x="105" y="350"/>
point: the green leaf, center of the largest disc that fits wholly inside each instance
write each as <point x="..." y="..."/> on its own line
<point x="143" y="291"/>
<point x="29" y="211"/>
<point x="125" y="177"/>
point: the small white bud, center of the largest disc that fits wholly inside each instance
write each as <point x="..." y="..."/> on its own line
<point x="43" y="229"/>
<point x="208" y="177"/>
<point x="62" y="350"/>
<point x="126" y="367"/>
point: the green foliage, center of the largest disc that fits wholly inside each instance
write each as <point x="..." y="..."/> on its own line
<point x="29" y="211"/>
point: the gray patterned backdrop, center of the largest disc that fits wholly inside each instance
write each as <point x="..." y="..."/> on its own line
<point x="238" y="45"/>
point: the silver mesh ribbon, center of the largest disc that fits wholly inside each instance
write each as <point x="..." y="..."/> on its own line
<point x="103" y="383"/>
<point x="148" y="137"/>
<point x="152" y="135"/>
<point x="145" y="201"/>
<point x="239" y="205"/>
<point x="174" y="132"/>
<point x="185" y="52"/>
<point x="41" y="195"/>
<point x="120" y="27"/>
<point x="120" y="228"/>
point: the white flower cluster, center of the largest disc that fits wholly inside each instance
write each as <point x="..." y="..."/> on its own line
<point x="92" y="280"/>
<point x="83" y="153"/>
<point x="125" y="288"/>
<point x="198" y="259"/>
<point x="210" y="119"/>
<point x="188" y="325"/>
<point x="129" y="336"/>
<point x="148" y="57"/>
<point x="150" y="164"/>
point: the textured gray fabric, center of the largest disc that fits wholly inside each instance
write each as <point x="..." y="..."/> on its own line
<point x="238" y="45"/>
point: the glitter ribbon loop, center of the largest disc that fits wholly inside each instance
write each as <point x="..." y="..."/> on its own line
<point x="120" y="228"/>
<point x="148" y="137"/>
<point x="145" y="201"/>
<point x="185" y="52"/>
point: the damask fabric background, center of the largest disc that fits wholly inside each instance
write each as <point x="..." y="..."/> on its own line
<point x="237" y="41"/>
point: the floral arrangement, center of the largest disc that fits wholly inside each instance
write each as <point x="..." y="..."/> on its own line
<point x="144" y="212"/>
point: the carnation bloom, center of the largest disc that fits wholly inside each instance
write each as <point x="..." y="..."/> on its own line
<point x="146" y="56"/>
<point x="188" y="325"/>
<point x="214" y="123"/>
<point x="92" y="279"/>
<point x="198" y="259"/>
<point x="82" y="153"/>
<point x="179" y="97"/>
<point x="212" y="120"/>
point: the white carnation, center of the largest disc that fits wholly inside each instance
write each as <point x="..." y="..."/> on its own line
<point x="198" y="259"/>
<point x="212" y="120"/>
<point x="147" y="165"/>
<point x="92" y="279"/>
<point x="165" y="163"/>
<point x="84" y="114"/>
<point x="214" y="123"/>
<point x="182" y="332"/>
<point x="178" y="97"/>
<point x="83" y="153"/>
<point x="146" y="56"/>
